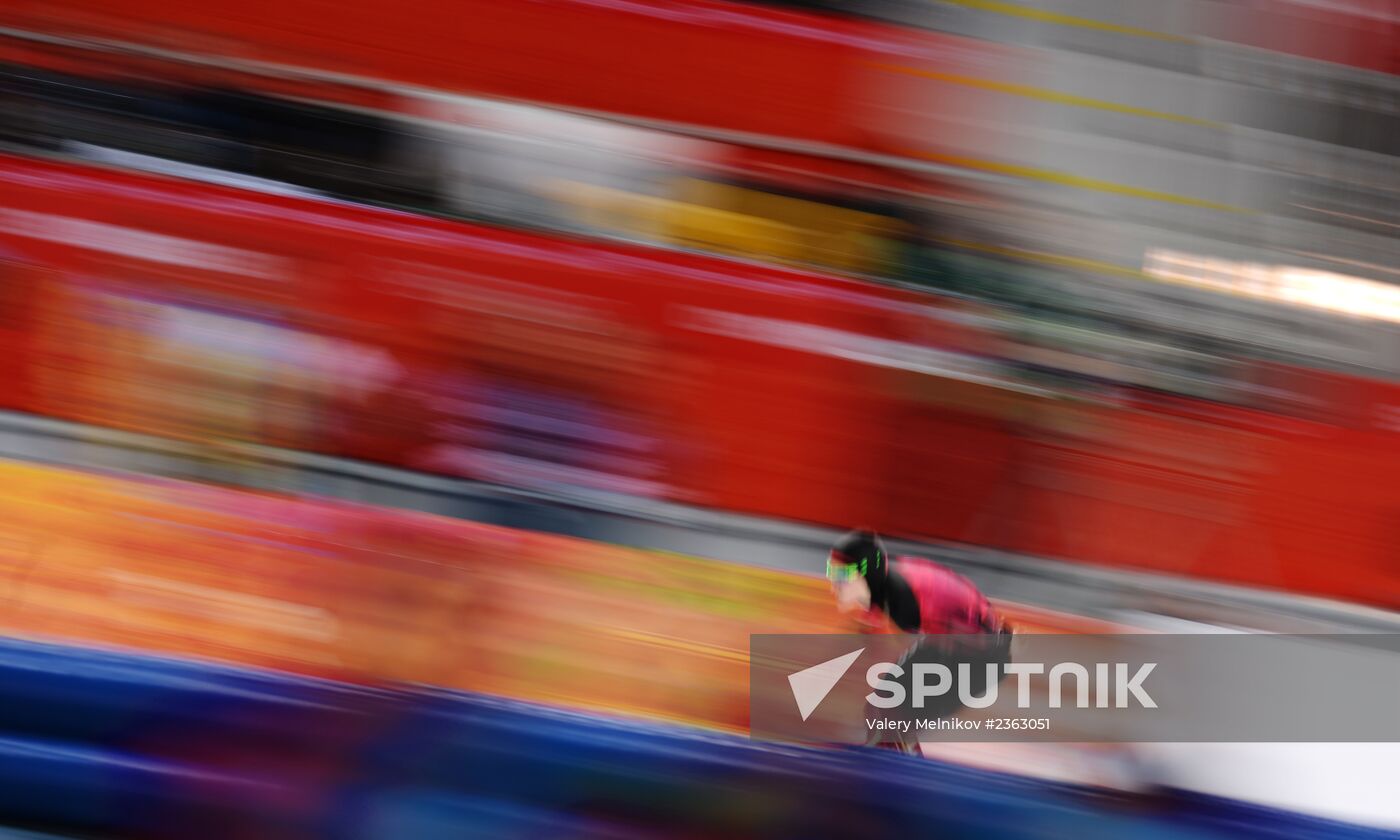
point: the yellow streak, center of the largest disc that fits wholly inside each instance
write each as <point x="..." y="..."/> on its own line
<point x="1014" y="10"/>
<point x="1051" y="176"/>
<point x="1047" y="95"/>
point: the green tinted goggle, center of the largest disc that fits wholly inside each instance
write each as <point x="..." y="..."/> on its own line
<point x="844" y="572"/>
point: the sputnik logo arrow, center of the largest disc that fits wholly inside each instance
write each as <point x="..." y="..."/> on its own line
<point x="811" y="685"/>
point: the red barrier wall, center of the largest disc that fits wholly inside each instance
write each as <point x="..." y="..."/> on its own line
<point x="1240" y="496"/>
<point x="211" y="314"/>
<point x="704" y="62"/>
<point x="711" y="63"/>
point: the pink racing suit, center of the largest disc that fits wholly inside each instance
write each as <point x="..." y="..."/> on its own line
<point x="948" y="603"/>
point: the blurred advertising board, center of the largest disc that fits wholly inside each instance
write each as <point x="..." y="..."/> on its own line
<point x="215" y="315"/>
<point x="458" y="349"/>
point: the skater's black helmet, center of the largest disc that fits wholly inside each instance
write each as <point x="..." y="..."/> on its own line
<point x="860" y="553"/>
